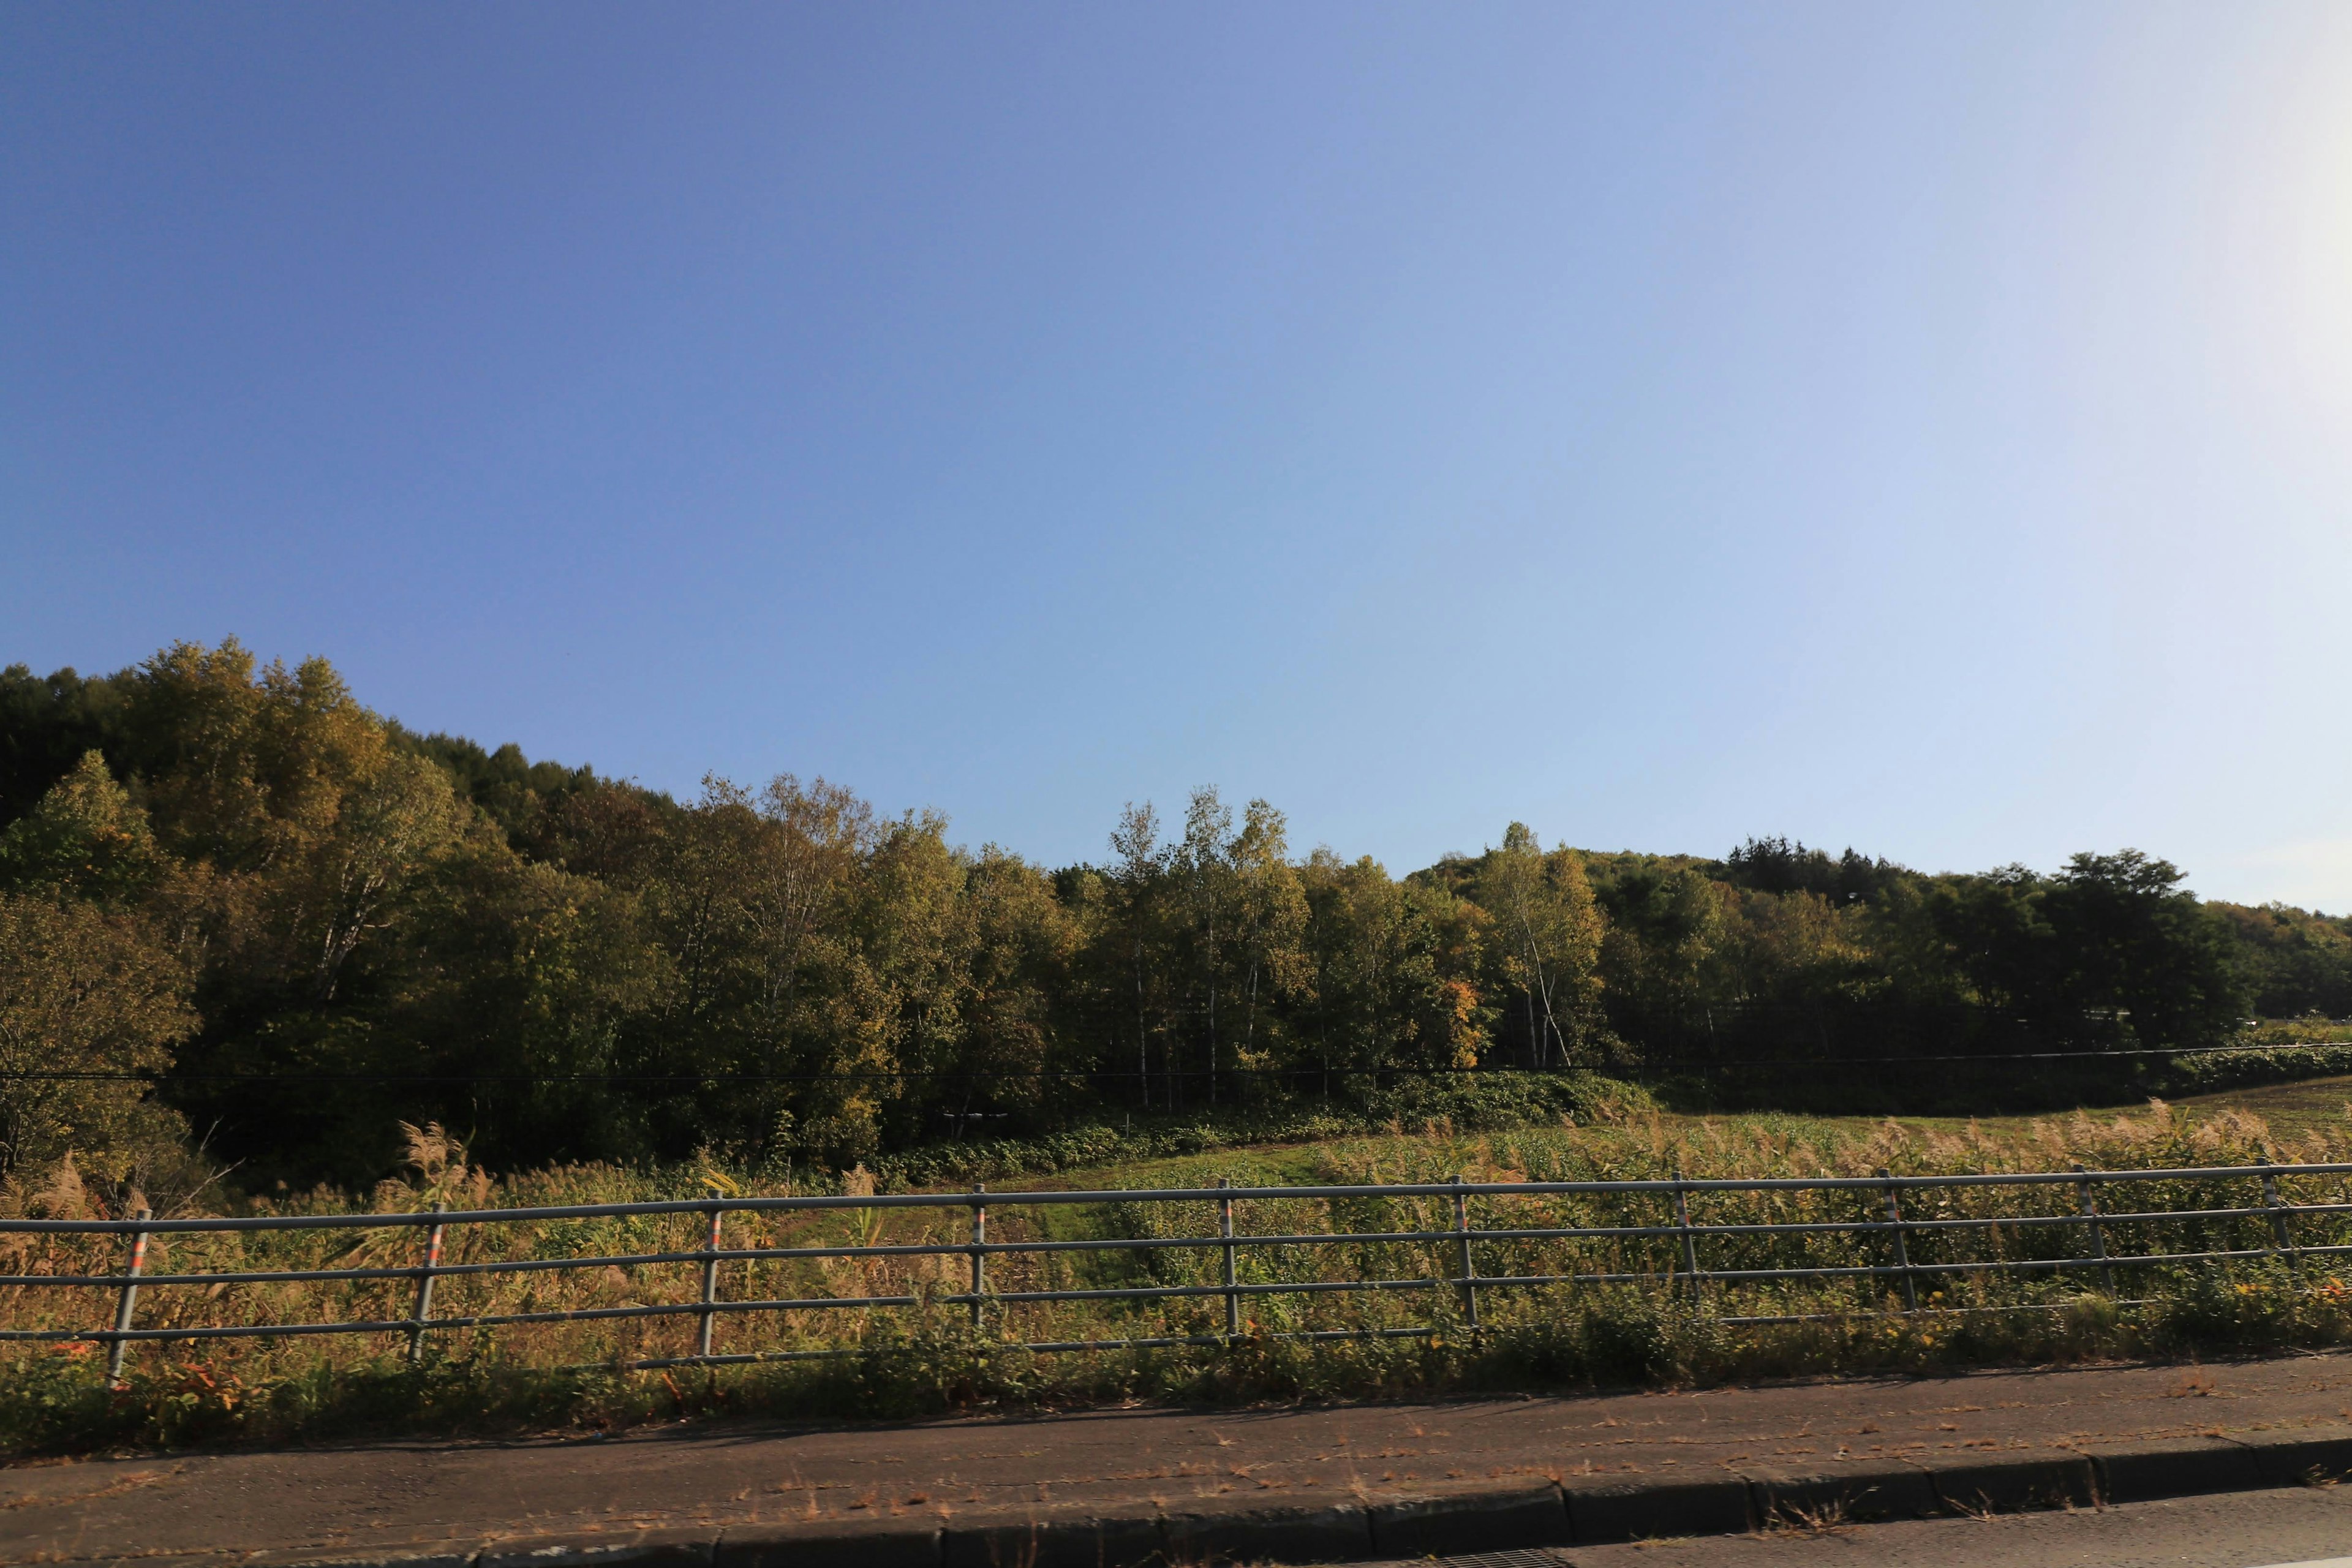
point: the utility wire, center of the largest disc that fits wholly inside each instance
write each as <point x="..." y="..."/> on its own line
<point x="989" y="1074"/>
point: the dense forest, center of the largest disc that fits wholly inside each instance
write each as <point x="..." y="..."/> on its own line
<point x="239" y="908"/>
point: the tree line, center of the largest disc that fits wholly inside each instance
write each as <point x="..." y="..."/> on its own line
<point x="286" y="925"/>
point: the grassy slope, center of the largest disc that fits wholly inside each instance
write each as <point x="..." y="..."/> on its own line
<point x="2290" y="1115"/>
<point x="233" y="1391"/>
<point x="2293" y="1110"/>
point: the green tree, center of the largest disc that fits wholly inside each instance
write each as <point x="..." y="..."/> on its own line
<point x="1547" y="931"/>
<point x="391" y="825"/>
<point x="1024" y="948"/>
<point x="1662" y="948"/>
<point x="85" y="839"/>
<point x="84" y="989"/>
<point x="1273" y="968"/>
<point x="1394" y="969"/>
<point x="1206" y="893"/>
<point x="916" y="938"/>
<point x="1134" y="881"/>
<point x="2132" y="940"/>
<point x="2293" y="962"/>
<point x="47" y="725"/>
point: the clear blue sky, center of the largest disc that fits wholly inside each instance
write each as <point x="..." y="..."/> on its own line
<point x="1921" y="427"/>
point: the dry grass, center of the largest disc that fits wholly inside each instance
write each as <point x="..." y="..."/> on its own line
<point x="1589" y="1334"/>
<point x="1624" y="1147"/>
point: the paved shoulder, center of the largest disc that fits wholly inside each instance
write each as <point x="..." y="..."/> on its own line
<point x="2305" y="1527"/>
<point x="1330" y="1485"/>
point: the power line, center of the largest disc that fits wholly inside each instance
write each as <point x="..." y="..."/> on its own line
<point x="1686" y="1063"/>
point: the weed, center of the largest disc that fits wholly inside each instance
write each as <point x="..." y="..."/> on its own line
<point x="1828" y="1518"/>
<point x="930" y="1358"/>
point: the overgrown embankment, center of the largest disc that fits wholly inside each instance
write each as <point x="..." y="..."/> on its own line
<point x="929" y="1358"/>
<point x="2003" y="1086"/>
<point x="1490" y="1103"/>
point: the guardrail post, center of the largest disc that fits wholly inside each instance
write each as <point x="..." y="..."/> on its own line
<point x="2281" y="1237"/>
<point x="1690" y="1242"/>
<point x="2087" y="1202"/>
<point x="979" y="1252"/>
<point x="1232" y="1297"/>
<point x="1902" y="1245"/>
<point x="1896" y="1263"/>
<point x="125" y="1304"/>
<point x="1469" y="1266"/>
<point x="710" y="1279"/>
<point x="423" y="1313"/>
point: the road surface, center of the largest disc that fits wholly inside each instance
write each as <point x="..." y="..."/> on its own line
<point x="2239" y="1529"/>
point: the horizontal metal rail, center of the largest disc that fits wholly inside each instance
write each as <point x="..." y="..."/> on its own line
<point x="1139" y="1194"/>
<point x="1879" y="1238"/>
<point x="1181" y="1243"/>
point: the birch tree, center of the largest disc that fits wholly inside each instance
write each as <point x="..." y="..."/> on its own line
<point x="1550" y="931"/>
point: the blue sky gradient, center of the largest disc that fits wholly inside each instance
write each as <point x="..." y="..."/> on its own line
<point x="1918" y="427"/>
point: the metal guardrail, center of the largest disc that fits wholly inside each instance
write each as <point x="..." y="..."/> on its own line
<point x="1883" y="1238"/>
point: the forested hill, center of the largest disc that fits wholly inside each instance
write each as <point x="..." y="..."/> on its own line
<point x="302" y="923"/>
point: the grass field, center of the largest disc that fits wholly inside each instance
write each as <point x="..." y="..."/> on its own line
<point x="2287" y="1116"/>
<point x="930" y="1359"/>
<point x="2292" y="1110"/>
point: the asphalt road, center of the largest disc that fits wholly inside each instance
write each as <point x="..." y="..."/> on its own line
<point x="2306" y="1526"/>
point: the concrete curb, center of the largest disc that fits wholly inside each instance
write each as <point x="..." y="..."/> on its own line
<point x="1571" y="1513"/>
